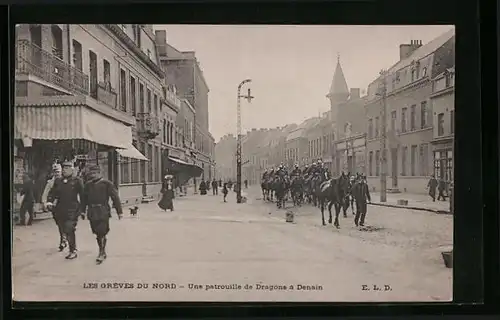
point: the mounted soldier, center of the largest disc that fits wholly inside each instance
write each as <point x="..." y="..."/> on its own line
<point x="296" y="171"/>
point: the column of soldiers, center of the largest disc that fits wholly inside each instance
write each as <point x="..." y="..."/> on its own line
<point x="358" y="188"/>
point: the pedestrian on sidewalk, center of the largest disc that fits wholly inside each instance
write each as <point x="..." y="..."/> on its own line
<point x="246" y="184"/>
<point x="167" y="191"/>
<point x="28" y="201"/>
<point x="225" y="191"/>
<point x="432" y="185"/>
<point x="220" y="183"/>
<point x="65" y="205"/>
<point x="441" y="189"/>
<point x="215" y="189"/>
<point x="361" y="194"/>
<point x="203" y="188"/>
<point x="95" y="201"/>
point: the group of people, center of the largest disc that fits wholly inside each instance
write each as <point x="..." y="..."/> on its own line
<point x="70" y="197"/>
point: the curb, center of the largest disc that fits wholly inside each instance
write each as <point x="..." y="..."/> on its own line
<point x="411" y="208"/>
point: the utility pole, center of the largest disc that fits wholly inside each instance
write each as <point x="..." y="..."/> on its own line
<point x="383" y="142"/>
<point x="238" y="148"/>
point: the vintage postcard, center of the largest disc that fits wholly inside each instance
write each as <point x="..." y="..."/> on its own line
<point x="233" y="163"/>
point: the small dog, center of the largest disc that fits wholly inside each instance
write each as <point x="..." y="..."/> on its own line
<point x="133" y="211"/>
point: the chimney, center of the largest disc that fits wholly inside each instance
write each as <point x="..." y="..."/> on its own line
<point x="405" y="50"/>
<point x="355" y="93"/>
<point x="161" y="42"/>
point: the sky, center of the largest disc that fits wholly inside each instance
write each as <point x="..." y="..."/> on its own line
<point x="291" y="67"/>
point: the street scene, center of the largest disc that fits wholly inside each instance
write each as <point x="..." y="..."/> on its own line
<point x="222" y="163"/>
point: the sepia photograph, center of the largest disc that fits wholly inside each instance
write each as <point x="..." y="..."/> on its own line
<point x="233" y="163"/>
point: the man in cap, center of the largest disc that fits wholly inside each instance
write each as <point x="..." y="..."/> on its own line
<point x="96" y="195"/>
<point x="47" y="203"/>
<point x="361" y="194"/>
<point x="65" y="195"/>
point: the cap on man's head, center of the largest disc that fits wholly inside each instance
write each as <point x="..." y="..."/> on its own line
<point x="67" y="164"/>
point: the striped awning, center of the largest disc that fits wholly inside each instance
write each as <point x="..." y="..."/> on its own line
<point x="132" y="152"/>
<point x="68" y="123"/>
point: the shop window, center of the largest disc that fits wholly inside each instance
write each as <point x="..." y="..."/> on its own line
<point x="125" y="167"/>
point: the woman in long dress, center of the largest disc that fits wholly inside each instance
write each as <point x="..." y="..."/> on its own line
<point x="203" y="188"/>
<point x="167" y="197"/>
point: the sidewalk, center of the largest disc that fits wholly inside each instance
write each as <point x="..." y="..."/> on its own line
<point x="415" y="202"/>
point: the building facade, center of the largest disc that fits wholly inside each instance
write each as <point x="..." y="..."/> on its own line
<point x="409" y="115"/>
<point x="92" y="94"/>
<point x="225" y="158"/>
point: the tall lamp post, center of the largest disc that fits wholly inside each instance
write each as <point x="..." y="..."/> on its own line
<point x="383" y="156"/>
<point x="238" y="148"/>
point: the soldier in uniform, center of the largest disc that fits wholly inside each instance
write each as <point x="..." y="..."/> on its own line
<point x="361" y="194"/>
<point x="66" y="195"/>
<point x="265" y="175"/>
<point x="96" y="195"/>
<point x="296" y="171"/>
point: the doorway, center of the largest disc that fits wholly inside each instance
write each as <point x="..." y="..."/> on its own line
<point x="394" y="164"/>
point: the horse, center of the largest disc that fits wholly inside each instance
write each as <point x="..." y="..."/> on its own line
<point x="266" y="192"/>
<point x="280" y="188"/>
<point x="296" y="189"/>
<point x="315" y="189"/>
<point x="333" y="192"/>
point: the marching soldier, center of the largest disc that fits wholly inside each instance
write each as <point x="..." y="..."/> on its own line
<point x="65" y="205"/>
<point x="265" y="175"/>
<point x="296" y="171"/>
<point x="96" y="195"/>
<point x="361" y="194"/>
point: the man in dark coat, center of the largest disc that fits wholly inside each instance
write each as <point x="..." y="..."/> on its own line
<point x="28" y="203"/>
<point x="65" y="204"/>
<point x="167" y="190"/>
<point x="361" y="194"/>
<point x="220" y="183"/>
<point x="246" y="184"/>
<point x="203" y="188"/>
<point x="441" y="189"/>
<point x="215" y="189"/>
<point x="96" y="195"/>
<point x="432" y="185"/>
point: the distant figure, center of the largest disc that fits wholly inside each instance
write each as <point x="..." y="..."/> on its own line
<point x="225" y="191"/>
<point x="207" y="185"/>
<point x="441" y="189"/>
<point x="167" y="191"/>
<point x="203" y="188"/>
<point x="246" y="184"/>
<point x="432" y="185"/>
<point x="28" y="202"/>
<point x="215" y="189"/>
<point x="220" y="183"/>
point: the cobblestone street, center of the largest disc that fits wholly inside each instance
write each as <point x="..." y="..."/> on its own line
<point x="208" y="242"/>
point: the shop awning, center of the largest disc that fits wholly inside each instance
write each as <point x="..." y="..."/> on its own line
<point x="194" y="170"/>
<point x="132" y="152"/>
<point x="70" y="122"/>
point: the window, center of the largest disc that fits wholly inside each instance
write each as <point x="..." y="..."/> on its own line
<point x="423" y="115"/>
<point x="149" y="53"/>
<point x="377" y="163"/>
<point x="93" y="74"/>
<point x="172" y="133"/>
<point x="135" y="166"/>
<point x="413" y="117"/>
<point x="440" y="124"/>
<point x="393" y="121"/>
<point x="424" y="71"/>
<point x="413" y="160"/>
<point x="447" y="79"/>
<point x="141" y="98"/>
<point x="164" y="131"/>
<point x="377" y="125"/>
<point x="77" y="55"/>
<point x="106" y="74"/>
<point x="125" y="165"/>
<point x="452" y="121"/>
<point x="370" y="128"/>
<point x="413" y="74"/>
<point x="149" y="102"/>
<point x="404" y="154"/>
<point x="143" y="149"/>
<point x="133" y="99"/>
<point x="57" y="41"/>
<point x="155" y="111"/>
<point x="417" y="70"/>
<point x="423" y="160"/>
<point x="370" y="164"/>
<point x="157" y="166"/>
<point x="403" y="119"/>
<point x="123" y="90"/>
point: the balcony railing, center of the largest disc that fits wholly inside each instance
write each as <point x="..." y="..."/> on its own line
<point x="32" y="60"/>
<point x="148" y="126"/>
<point x="106" y="94"/>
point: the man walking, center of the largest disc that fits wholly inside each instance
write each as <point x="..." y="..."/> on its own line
<point x="361" y="195"/>
<point x="432" y="185"/>
<point x="56" y="173"/>
<point x="65" y="194"/>
<point x="441" y="188"/>
<point x="96" y="195"/>
<point x="215" y="189"/>
<point x="28" y="202"/>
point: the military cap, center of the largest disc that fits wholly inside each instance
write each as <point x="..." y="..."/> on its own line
<point x="93" y="168"/>
<point x="67" y="164"/>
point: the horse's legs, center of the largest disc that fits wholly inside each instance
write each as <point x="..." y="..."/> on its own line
<point x="345" y="206"/>
<point x="352" y="205"/>
<point x="322" y="208"/>
<point x="337" y="212"/>
<point x="330" y="211"/>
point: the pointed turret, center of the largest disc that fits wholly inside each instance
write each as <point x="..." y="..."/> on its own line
<point x="339" y="91"/>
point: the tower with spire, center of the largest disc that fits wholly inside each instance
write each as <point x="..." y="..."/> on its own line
<point x="339" y="91"/>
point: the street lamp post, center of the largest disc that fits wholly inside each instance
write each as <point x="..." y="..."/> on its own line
<point x="238" y="148"/>
<point x="383" y="159"/>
